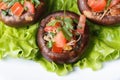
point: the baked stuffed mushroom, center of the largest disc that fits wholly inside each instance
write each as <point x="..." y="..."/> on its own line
<point x="105" y="12"/>
<point x="20" y="12"/>
<point x="63" y="37"/>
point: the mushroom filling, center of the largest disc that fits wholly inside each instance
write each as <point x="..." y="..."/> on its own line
<point x="104" y="8"/>
<point x="18" y="7"/>
<point x="61" y="34"/>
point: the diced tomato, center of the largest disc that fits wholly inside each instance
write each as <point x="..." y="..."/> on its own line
<point x="17" y="9"/>
<point x="3" y="6"/>
<point x="97" y="5"/>
<point x="114" y="2"/>
<point x="60" y="39"/>
<point x="81" y="24"/>
<point x="56" y="49"/>
<point x="52" y="28"/>
<point x="49" y="29"/>
<point x="57" y="24"/>
<point x="30" y="7"/>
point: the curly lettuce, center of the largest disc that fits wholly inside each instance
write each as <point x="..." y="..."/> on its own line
<point x="104" y="44"/>
<point x="18" y="42"/>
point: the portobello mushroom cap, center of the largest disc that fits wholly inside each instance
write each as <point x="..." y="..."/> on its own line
<point x="106" y="20"/>
<point x="26" y="18"/>
<point x="66" y="56"/>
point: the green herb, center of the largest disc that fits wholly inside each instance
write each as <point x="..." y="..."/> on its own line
<point x="68" y="23"/>
<point x="52" y="34"/>
<point x="52" y="22"/>
<point x="22" y="1"/>
<point x="58" y="17"/>
<point x="108" y="3"/>
<point x="67" y="27"/>
<point x="75" y="21"/>
<point x="4" y="12"/>
<point x="59" y="29"/>
<point x="36" y="2"/>
<point x="25" y="8"/>
<point x="67" y="33"/>
<point x="11" y="2"/>
<point x="65" y="6"/>
<point x="49" y="44"/>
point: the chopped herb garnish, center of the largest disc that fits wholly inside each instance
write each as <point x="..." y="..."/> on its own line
<point x="67" y="27"/>
<point x="75" y="21"/>
<point x="59" y="29"/>
<point x="108" y="3"/>
<point x="68" y="23"/>
<point x="36" y="2"/>
<point x="67" y="33"/>
<point x="53" y="22"/>
<point x="25" y="8"/>
<point x="58" y="17"/>
<point x="49" y="44"/>
<point x="52" y="34"/>
<point x="5" y="12"/>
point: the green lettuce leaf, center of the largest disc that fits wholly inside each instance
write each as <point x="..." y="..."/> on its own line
<point x="18" y="42"/>
<point x="104" y="44"/>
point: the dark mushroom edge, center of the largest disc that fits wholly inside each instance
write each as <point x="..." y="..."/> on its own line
<point x="74" y="45"/>
<point x="21" y="14"/>
<point x="109" y="16"/>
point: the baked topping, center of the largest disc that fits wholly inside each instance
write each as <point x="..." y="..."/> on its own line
<point x="103" y="8"/>
<point x="18" y="7"/>
<point x="62" y="33"/>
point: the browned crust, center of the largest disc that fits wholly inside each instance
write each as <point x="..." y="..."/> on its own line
<point x="106" y="20"/>
<point x="21" y="21"/>
<point x="66" y="56"/>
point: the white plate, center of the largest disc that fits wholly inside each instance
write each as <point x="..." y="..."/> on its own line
<point x="17" y="69"/>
